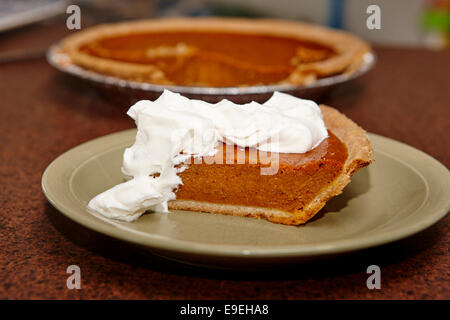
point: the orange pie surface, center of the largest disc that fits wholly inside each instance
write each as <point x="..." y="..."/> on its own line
<point x="212" y="59"/>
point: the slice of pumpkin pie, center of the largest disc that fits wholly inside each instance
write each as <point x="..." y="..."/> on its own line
<point x="281" y="160"/>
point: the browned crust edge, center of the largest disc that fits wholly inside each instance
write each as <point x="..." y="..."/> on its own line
<point x="360" y="154"/>
<point x="350" y="49"/>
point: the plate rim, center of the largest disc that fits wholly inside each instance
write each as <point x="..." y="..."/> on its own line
<point x="367" y="64"/>
<point x="213" y="250"/>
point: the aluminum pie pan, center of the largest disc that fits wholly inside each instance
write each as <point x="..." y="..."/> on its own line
<point x="120" y="88"/>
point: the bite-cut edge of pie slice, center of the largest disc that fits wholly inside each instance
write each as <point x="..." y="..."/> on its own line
<point x="349" y="49"/>
<point x="360" y="154"/>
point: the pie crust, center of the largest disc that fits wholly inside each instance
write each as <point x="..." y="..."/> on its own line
<point x="347" y="49"/>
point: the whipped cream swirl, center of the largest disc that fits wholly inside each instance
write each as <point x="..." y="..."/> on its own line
<point x="173" y="128"/>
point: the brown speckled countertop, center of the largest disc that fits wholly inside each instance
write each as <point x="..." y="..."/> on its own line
<point x="43" y="114"/>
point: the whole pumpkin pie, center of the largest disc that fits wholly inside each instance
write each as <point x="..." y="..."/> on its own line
<point x="281" y="160"/>
<point x="216" y="52"/>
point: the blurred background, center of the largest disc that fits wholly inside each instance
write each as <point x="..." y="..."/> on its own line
<point x="423" y="23"/>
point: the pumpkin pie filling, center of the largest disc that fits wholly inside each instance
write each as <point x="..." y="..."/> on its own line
<point x="233" y="177"/>
<point x="212" y="59"/>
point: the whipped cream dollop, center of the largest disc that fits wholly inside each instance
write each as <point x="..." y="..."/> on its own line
<point x="173" y="128"/>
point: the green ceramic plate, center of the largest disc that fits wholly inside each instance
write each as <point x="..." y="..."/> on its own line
<point x="402" y="193"/>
